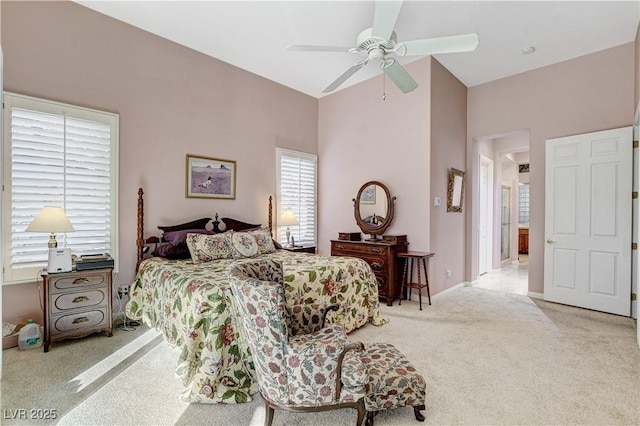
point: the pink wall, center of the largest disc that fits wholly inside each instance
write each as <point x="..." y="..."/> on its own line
<point x="171" y="100"/>
<point x="448" y="149"/>
<point x="589" y="93"/>
<point x="636" y="99"/>
<point x="363" y="138"/>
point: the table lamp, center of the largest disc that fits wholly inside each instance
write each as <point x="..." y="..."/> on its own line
<point x="287" y="218"/>
<point x="54" y="219"/>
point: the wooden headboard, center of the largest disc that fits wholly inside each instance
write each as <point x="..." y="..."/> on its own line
<point x="230" y="224"/>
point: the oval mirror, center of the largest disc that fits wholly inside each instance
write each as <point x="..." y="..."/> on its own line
<point x="373" y="209"/>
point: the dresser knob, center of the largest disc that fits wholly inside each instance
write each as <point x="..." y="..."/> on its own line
<point x="80" y="281"/>
<point x="80" y="320"/>
<point x="80" y="299"/>
<point x="375" y="250"/>
<point x="341" y="247"/>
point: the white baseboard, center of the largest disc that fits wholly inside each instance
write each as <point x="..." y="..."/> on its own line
<point x="535" y="295"/>
<point x="414" y="295"/>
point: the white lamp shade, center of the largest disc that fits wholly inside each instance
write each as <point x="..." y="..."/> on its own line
<point x="51" y="219"/>
<point x="287" y="218"/>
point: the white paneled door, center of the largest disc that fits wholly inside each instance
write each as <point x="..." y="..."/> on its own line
<point x="588" y="188"/>
<point x="486" y="215"/>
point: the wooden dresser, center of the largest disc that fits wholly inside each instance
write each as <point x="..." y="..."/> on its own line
<point x="77" y="304"/>
<point x="523" y="240"/>
<point x="381" y="256"/>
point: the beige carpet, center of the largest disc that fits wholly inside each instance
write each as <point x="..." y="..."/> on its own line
<point x="488" y="358"/>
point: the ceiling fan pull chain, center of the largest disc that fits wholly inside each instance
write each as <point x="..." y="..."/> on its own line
<point x="384" y="86"/>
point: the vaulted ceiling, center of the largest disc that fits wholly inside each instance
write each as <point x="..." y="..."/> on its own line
<point x="253" y="35"/>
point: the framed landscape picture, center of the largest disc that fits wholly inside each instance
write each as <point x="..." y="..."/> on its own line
<point x="210" y="178"/>
<point x="368" y="196"/>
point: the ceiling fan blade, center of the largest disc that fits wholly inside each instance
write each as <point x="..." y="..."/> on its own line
<point x="308" y="48"/>
<point x="400" y="77"/>
<point x="345" y="76"/>
<point x="385" y="17"/>
<point x="432" y="46"/>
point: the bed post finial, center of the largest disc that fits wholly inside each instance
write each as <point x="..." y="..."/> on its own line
<point x="140" y="229"/>
<point x="216" y="225"/>
<point x="271" y="215"/>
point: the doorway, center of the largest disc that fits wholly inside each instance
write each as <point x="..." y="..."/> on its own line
<point x="505" y="224"/>
<point x="496" y="187"/>
<point x="485" y="229"/>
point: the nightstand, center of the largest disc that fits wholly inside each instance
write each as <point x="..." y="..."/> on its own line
<point x="302" y="249"/>
<point x="76" y="304"/>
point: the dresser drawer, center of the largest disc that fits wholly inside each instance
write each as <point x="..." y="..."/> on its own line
<point x="380" y="255"/>
<point x="378" y="264"/>
<point x="358" y="249"/>
<point x="61" y="302"/>
<point x="68" y="282"/>
<point x="78" y="321"/>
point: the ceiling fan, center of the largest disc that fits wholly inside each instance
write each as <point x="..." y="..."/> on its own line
<point x="380" y="43"/>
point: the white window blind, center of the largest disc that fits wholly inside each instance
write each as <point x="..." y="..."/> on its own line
<point x="57" y="155"/>
<point x="297" y="191"/>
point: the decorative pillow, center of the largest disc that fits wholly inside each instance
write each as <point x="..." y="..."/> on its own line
<point x="169" y="251"/>
<point x="180" y="237"/>
<point x="205" y="248"/>
<point x="244" y="245"/>
<point x="195" y="224"/>
<point x="264" y="240"/>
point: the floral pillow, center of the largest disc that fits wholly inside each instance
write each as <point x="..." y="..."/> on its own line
<point x="263" y="238"/>
<point x="205" y="248"/>
<point x="243" y="245"/>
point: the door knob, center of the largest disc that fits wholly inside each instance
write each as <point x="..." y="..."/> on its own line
<point x="550" y="241"/>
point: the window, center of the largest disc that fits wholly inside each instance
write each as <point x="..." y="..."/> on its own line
<point x="523" y="204"/>
<point x="57" y="155"/>
<point x="296" y="175"/>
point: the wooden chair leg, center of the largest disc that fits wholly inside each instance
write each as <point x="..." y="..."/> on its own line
<point x="268" y="418"/>
<point x="361" y="412"/>
<point x="419" y="415"/>
<point x="370" y="416"/>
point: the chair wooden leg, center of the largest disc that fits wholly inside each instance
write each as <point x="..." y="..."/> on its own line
<point x="370" y="416"/>
<point x="361" y="412"/>
<point x="268" y="418"/>
<point x="419" y="415"/>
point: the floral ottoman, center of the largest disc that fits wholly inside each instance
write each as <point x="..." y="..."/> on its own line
<point x="393" y="382"/>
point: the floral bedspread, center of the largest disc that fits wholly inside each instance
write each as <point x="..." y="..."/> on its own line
<point x="193" y="307"/>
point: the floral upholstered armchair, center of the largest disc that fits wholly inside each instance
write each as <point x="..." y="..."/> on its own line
<point x="301" y="365"/>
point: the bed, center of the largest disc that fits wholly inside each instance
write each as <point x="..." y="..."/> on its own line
<point x="189" y="302"/>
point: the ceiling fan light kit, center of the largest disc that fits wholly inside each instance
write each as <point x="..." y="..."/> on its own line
<point x="380" y="43"/>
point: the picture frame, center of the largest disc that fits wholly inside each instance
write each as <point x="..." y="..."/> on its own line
<point x="208" y="177"/>
<point x="455" y="190"/>
<point x="368" y="195"/>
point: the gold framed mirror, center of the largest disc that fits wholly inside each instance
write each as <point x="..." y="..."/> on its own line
<point x="373" y="209"/>
<point x="455" y="190"/>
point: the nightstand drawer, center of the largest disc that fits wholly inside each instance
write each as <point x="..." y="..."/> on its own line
<point x="76" y="304"/>
<point x="65" y="301"/>
<point x="79" y="321"/>
<point x="77" y="280"/>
